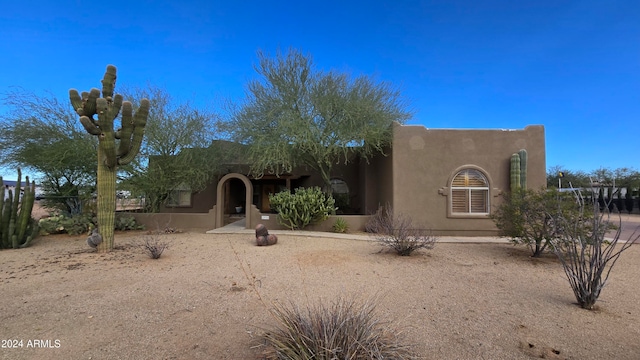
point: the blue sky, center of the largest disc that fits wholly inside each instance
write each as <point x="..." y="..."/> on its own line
<point x="573" y="66"/>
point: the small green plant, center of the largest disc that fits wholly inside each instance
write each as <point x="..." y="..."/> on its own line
<point x="82" y="224"/>
<point x="397" y="232"/>
<point x="340" y="226"/>
<point x="124" y="222"/>
<point x="72" y="225"/>
<point x="305" y="206"/>
<point x="344" y="329"/>
<point x="78" y="224"/>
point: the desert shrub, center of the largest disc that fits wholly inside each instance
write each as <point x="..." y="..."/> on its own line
<point x="125" y="222"/>
<point x="528" y="216"/>
<point x="72" y="225"/>
<point x="586" y="256"/>
<point x="82" y="223"/>
<point x="343" y="329"/>
<point x="340" y="226"/>
<point x="154" y="245"/>
<point x="397" y="232"/>
<point x="303" y="207"/>
<point x="51" y="225"/>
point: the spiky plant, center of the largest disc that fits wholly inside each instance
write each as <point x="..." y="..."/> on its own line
<point x="116" y="147"/>
<point x="344" y="329"/>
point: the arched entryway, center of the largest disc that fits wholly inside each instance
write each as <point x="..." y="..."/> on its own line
<point x="220" y="196"/>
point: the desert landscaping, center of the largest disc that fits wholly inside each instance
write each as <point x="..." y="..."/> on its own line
<point x="209" y="297"/>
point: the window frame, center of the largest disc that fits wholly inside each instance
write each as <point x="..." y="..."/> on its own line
<point x="486" y="189"/>
<point x="174" y="200"/>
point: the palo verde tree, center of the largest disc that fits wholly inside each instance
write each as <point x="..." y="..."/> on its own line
<point x="178" y="150"/>
<point x="297" y="115"/>
<point x="111" y="153"/>
<point x="42" y="134"/>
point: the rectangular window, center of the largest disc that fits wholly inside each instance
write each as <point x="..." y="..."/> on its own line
<point x="180" y="197"/>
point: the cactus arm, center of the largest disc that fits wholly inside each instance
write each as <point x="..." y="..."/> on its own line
<point x="25" y="210"/>
<point x="76" y="101"/>
<point x="139" y="122"/>
<point x="127" y="129"/>
<point x="14" y="212"/>
<point x="109" y="81"/>
<point x="34" y="230"/>
<point x="27" y="242"/>
<point x="6" y="217"/>
<point x="115" y="105"/>
<point x="89" y="125"/>
<point x="12" y="225"/>
<point x="89" y="105"/>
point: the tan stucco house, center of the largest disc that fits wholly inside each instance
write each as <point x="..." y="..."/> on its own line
<point x="447" y="180"/>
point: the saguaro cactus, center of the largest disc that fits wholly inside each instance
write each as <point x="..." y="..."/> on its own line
<point x="523" y="168"/>
<point x="110" y="153"/>
<point x="515" y="172"/>
<point x="519" y="170"/>
<point x="17" y="228"/>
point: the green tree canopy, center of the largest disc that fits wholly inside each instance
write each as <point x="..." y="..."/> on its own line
<point x="43" y="135"/>
<point x="602" y="177"/>
<point x="575" y="178"/>
<point x="179" y="150"/>
<point x="297" y="115"/>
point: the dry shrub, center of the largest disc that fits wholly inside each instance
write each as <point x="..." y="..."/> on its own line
<point x="397" y="232"/>
<point x="153" y="245"/>
<point x="586" y="255"/>
<point x="344" y="329"/>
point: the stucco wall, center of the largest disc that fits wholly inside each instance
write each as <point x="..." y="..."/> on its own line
<point x="201" y="202"/>
<point x="424" y="161"/>
<point x="376" y="182"/>
<point x="356" y="223"/>
<point x="160" y="221"/>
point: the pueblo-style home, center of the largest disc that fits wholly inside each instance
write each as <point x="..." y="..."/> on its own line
<point x="447" y="180"/>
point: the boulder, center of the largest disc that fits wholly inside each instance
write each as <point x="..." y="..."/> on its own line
<point x="263" y="238"/>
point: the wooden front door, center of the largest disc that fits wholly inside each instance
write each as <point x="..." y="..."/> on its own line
<point x="264" y="203"/>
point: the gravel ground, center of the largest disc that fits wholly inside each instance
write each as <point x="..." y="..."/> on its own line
<point x="209" y="296"/>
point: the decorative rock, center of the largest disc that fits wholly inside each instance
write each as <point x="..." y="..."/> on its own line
<point x="262" y="236"/>
<point x="94" y="239"/>
<point x="271" y="239"/>
<point x="262" y="240"/>
<point x="261" y="230"/>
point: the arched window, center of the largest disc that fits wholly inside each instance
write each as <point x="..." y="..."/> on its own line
<point x="469" y="193"/>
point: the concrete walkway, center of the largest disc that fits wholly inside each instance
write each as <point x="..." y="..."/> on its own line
<point x="238" y="227"/>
